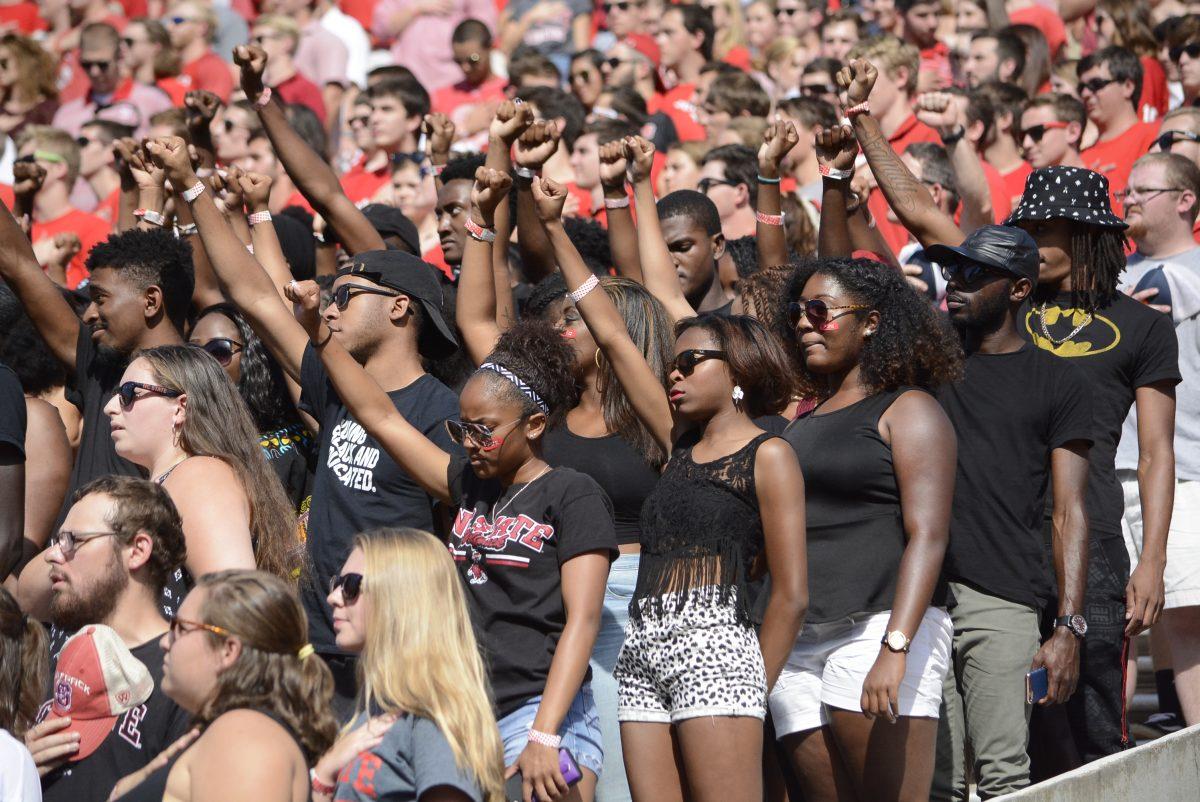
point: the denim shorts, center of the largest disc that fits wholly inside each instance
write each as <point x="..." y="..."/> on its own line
<point x="580" y="730"/>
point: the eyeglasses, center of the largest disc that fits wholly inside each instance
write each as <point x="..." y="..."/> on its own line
<point x="68" y="542"/>
<point x="817" y="311"/>
<point x="687" y="361"/>
<point x="360" y="122"/>
<point x="1142" y="193"/>
<point x="128" y="392"/>
<point x="482" y="435"/>
<point x="351" y="585"/>
<point x="1191" y="49"/>
<point x="613" y="62"/>
<point x="1167" y="141"/>
<point x="181" y="627"/>
<point x="343" y="294"/>
<point x="1096" y="84"/>
<point x="705" y="184"/>
<point x="1036" y="132"/>
<point x="621" y="5"/>
<point x="221" y="349"/>
<point x="583" y="76"/>
<point x="814" y="90"/>
<point x="968" y="272"/>
<point x="102" y="66"/>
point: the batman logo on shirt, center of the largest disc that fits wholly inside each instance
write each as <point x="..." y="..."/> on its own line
<point x="1098" y="336"/>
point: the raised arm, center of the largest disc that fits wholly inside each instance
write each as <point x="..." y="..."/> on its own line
<point x="256" y="190"/>
<point x="658" y="269"/>
<point x="419" y="456"/>
<point x="243" y="279"/>
<point x="836" y="150"/>
<point x="200" y="107"/>
<point x="41" y="297"/>
<point x="779" y="138"/>
<point x="643" y="389"/>
<point x="910" y="200"/>
<point x="534" y="147"/>
<point x="945" y="113"/>
<point x="622" y="235"/>
<point x="512" y="119"/>
<point x="312" y="175"/>
<point x="475" y="312"/>
<point x="122" y="148"/>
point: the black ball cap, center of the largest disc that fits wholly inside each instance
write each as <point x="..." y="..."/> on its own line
<point x="1007" y="249"/>
<point x="417" y="279"/>
<point x="391" y="222"/>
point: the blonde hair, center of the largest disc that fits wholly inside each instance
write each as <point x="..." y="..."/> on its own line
<point x="889" y="53"/>
<point x="421" y="656"/>
<point x="732" y="35"/>
<point x="56" y="141"/>
<point x="281" y="24"/>
<point x="779" y="50"/>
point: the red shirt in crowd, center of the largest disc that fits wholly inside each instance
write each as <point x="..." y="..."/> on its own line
<point x="1014" y="180"/>
<point x="1155" y="97"/>
<point x="208" y="72"/>
<point x="361" y="184"/>
<point x="457" y="100"/>
<point x="936" y="59"/>
<point x="109" y="209"/>
<point x="91" y="230"/>
<point x="25" y="17"/>
<point x="910" y="132"/>
<point x="1002" y="197"/>
<point x="678" y="104"/>
<point x="299" y="89"/>
<point x="1115" y="157"/>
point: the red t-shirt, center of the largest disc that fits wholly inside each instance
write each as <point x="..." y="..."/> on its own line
<point x="910" y="132"/>
<point x="1014" y="180"/>
<point x="435" y="257"/>
<point x="449" y="99"/>
<point x="175" y="89"/>
<point x="1155" y="97"/>
<point x="361" y="184"/>
<point x="1115" y="157"/>
<point x="936" y="59"/>
<point x="24" y="16"/>
<point x="739" y="57"/>
<point x="677" y="104"/>
<point x="1046" y="21"/>
<point x="208" y="72"/>
<point x="91" y="230"/>
<point x="299" y="89"/>
<point x="1002" y="198"/>
<point x="109" y="209"/>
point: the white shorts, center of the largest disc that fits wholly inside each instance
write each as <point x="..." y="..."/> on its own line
<point x="830" y="662"/>
<point x="1182" y="575"/>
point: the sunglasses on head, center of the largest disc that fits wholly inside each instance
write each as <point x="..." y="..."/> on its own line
<point x="1192" y="49"/>
<point x="128" y="392"/>
<point x="687" y="361"/>
<point x="221" y="349"/>
<point x="817" y="311"/>
<point x="1036" y="132"/>
<point x="482" y="435"/>
<point x="351" y="585"/>
<point x="1096" y="84"/>
<point x="1167" y="141"/>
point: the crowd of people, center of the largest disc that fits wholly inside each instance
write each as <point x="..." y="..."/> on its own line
<point x="631" y="401"/>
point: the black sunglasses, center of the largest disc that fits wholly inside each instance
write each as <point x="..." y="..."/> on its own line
<point x="82" y="141"/>
<point x="786" y="12"/>
<point x="88" y="66"/>
<point x="687" y="361"/>
<point x="351" y="585"/>
<point x="705" y="184"/>
<point x="1167" y="141"/>
<point x="128" y="392"/>
<point x="813" y="90"/>
<point x="1096" y="84"/>
<point x="221" y="349"/>
<point x="1192" y="49"/>
<point x="969" y="272"/>
<point x="1036" y="132"/>
<point x="817" y="311"/>
<point x="343" y="294"/>
<point x="621" y="5"/>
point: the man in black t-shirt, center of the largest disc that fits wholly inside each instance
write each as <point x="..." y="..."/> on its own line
<point x="120" y="541"/>
<point x="12" y="470"/>
<point x="1023" y="419"/>
<point x="140" y="286"/>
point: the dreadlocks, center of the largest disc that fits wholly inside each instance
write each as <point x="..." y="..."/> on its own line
<point x="1097" y="259"/>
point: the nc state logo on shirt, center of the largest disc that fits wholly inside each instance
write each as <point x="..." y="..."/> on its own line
<point x="481" y="543"/>
<point x="62" y="695"/>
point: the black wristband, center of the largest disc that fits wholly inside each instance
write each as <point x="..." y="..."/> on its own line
<point x="950" y="139"/>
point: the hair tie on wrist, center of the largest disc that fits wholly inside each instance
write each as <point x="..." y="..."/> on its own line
<point x="616" y="203"/>
<point x="306" y="650"/>
<point x="762" y="179"/>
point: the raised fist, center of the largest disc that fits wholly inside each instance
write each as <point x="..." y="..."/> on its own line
<point x="537" y="145"/>
<point x="857" y="80"/>
<point x="512" y="119"/>
<point x="779" y="138"/>
<point x="490" y="188"/>
<point x="549" y="197"/>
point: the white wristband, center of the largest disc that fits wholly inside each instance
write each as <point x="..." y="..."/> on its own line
<point x="192" y="193"/>
<point x="545" y="738"/>
<point x="524" y="172"/>
<point x="258" y="217"/>
<point x="581" y="292"/>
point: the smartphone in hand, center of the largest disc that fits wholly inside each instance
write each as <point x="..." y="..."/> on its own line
<point x="514" y="792"/>
<point x="1037" y="685"/>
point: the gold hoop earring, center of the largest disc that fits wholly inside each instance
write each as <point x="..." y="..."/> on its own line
<point x="597" y="359"/>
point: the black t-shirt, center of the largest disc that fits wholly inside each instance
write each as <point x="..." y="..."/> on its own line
<point x="93" y="383"/>
<point x="357" y="485"/>
<point x="509" y="544"/>
<point x="622" y="473"/>
<point x="136" y="738"/>
<point x="1009" y="412"/>
<point x="1124" y="346"/>
<point x="12" y="416"/>
<point x="292" y="452"/>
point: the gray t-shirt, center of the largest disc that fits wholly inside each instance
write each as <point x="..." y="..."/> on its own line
<point x="1178" y="279"/>
<point x="413" y="758"/>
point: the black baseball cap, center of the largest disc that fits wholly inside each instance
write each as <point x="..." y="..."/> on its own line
<point x="406" y="273"/>
<point x="1007" y="249"/>
<point x="391" y="222"/>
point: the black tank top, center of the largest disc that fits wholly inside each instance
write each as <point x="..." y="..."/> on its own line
<point x="855" y="531"/>
<point x="154" y="787"/>
<point x="624" y="474"/>
<point x="701" y="527"/>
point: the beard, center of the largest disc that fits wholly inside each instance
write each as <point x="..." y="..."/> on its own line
<point x="109" y="359"/>
<point x="71" y="610"/>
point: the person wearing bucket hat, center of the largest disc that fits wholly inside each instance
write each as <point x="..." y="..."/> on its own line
<point x="1129" y="355"/>
<point x="993" y="562"/>
<point x="387" y="312"/>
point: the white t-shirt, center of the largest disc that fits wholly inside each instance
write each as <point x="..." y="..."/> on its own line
<point x="18" y="775"/>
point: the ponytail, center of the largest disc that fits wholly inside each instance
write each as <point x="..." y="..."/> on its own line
<point x="24" y="667"/>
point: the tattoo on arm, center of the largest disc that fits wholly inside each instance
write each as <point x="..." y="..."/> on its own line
<point x="897" y="183"/>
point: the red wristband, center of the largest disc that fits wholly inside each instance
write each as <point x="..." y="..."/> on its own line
<point x="861" y="108"/>
<point x="321" y="788"/>
<point x="769" y="219"/>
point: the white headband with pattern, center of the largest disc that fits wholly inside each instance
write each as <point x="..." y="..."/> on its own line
<point x="520" y="384"/>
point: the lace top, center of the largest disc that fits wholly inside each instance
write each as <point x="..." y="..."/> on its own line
<point x="701" y="527"/>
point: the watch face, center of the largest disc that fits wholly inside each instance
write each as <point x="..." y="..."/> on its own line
<point x="896" y="640"/>
<point x="1079" y="625"/>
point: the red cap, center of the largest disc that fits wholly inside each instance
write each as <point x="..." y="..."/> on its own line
<point x="644" y="44"/>
<point x="97" y="680"/>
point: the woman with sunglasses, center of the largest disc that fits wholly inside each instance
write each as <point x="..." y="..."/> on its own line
<point x="286" y="442"/>
<point x="533" y="543"/>
<point x="693" y="674"/>
<point x="179" y="417"/>
<point x="424" y="717"/>
<point x="878" y="455"/>
<point x="237" y="658"/>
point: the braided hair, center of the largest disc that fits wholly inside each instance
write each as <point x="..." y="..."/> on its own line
<point x="1097" y="259"/>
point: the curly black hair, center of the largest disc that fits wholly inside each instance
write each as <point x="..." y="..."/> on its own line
<point x="261" y="383"/>
<point x="539" y="355"/>
<point x="591" y="240"/>
<point x="913" y="345"/>
<point x="152" y="258"/>
<point x="462" y="168"/>
<point x="23" y="349"/>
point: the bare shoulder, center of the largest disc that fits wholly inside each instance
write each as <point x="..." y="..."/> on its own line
<point x="233" y="731"/>
<point x="194" y="470"/>
<point x="915" y="414"/>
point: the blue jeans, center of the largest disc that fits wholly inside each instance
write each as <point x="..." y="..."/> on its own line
<point x="622" y="578"/>
<point x="580" y="730"/>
